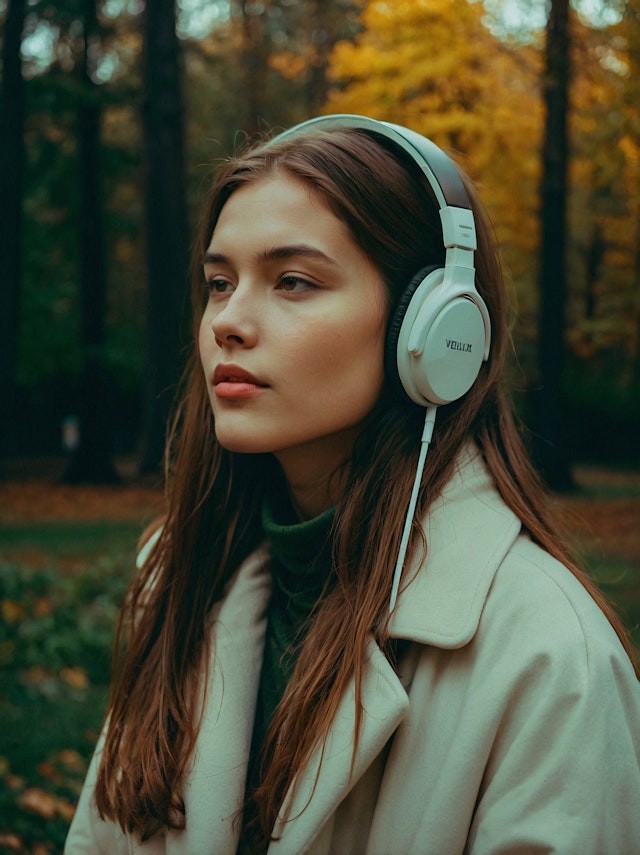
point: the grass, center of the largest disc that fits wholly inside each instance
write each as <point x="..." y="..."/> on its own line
<point x="69" y="540"/>
<point x="66" y="556"/>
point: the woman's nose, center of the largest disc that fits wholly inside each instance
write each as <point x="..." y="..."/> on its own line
<point x="235" y="323"/>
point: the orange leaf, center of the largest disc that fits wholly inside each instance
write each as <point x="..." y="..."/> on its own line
<point x="12" y="612"/>
<point x="48" y="770"/>
<point x="11" y="842"/>
<point x="45" y="804"/>
<point x="76" y="677"/>
<point x="71" y="760"/>
<point x="43" y="607"/>
<point x="38" y="801"/>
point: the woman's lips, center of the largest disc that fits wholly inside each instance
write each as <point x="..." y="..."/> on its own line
<point x="228" y="389"/>
<point x="232" y="381"/>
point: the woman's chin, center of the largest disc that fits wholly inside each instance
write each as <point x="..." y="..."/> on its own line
<point x="242" y="445"/>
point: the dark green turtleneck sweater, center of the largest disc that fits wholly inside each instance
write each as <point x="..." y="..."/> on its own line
<point x="300" y="563"/>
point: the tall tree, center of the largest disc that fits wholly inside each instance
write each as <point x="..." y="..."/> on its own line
<point x="255" y="53"/>
<point x="303" y="43"/>
<point x="91" y="461"/>
<point x="12" y="110"/>
<point x="552" y="448"/>
<point x="167" y="228"/>
<point x="629" y="34"/>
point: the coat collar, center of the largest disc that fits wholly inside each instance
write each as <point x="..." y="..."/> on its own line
<point x="469" y="530"/>
<point x="329" y="775"/>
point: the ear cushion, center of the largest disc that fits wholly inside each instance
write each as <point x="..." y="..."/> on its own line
<point x="395" y="324"/>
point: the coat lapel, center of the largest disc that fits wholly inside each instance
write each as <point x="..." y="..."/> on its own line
<point x="327" y="778"/>
<point x="214" y="792"/>
<point x="469" y="530"/>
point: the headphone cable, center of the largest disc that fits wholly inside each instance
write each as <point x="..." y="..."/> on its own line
<point x="427" y="433"/>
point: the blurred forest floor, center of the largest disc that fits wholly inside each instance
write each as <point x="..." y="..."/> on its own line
<point x="66" y="556"/>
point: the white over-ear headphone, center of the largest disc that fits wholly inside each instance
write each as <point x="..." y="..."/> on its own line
<point x="440" y="332"/>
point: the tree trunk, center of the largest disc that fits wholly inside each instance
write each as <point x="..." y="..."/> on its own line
<point x="552" y="453"/>
<point x="255" y="50"/>
<point x="167" y="231"/>
<point x="91" y="461"/>
<point x="635" y="377"/>
<point x="12" y="111"/>
<point x="323" y="36"/>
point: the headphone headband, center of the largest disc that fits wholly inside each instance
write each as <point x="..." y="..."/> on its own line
<point x="455" y="208"/>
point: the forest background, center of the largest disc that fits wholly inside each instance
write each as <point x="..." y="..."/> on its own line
<point x="114" y="116"/>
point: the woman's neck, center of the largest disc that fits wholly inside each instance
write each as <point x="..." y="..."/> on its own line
<point x="314" y="482"/>
<point x="310" y="500"/>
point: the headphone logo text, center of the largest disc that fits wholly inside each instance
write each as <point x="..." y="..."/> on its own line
<point x="463" y="346"/>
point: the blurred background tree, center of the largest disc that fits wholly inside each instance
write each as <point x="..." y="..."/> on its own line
<point x="551" y="447"/>
<point x="179" y="86"/>
<point x="12" y="110"/>
<point x="166" y="233"/>
<point x="91" y="457"/>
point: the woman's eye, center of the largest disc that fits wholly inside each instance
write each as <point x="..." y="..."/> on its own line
<point x="293" y="284"/>
<point x="217" y="286"/>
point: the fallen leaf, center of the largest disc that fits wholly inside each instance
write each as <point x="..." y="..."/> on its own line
<point x="76" y="677"/>
<point x="12" y="612"/>
<point x="43" y="607"/>
<point x="65" y="809"/>
<point x="14" y="782"/>
<point x="45" y="804"/>
<point x="48" y="770"/>
<point x="71" y="760"/>
<point x="11" y="841"/>
<point x="36" y="674"/>
<point x="38" y="801"/>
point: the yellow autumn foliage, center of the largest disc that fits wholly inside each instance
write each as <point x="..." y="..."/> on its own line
<point x="433" y="65"/>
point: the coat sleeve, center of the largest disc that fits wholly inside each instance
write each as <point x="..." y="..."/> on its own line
<point x="89" y="834"/>
<point x="563" y="771"/>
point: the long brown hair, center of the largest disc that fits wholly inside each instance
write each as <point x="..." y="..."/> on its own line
<point x="215" y="496"/>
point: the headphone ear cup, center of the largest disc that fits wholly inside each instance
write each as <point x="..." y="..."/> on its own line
<point x="395" y="324"/>
<point x="436" y="340"/>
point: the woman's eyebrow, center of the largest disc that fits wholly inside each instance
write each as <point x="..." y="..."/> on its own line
<point x="215" y="258"/>
<point x="275" y="254"/>
<point x="299" y="249"/>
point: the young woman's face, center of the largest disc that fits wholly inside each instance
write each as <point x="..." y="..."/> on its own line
<point x="292" y="337"/>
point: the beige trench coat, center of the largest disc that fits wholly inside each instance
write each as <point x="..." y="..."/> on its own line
<point x="514" y="726"/>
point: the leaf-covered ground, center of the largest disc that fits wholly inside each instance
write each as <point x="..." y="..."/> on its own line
<point x="602" y="521"/>
<point x="66" y="555"/>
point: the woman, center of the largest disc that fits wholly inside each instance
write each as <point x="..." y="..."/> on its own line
<point x="268" y="696"/>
